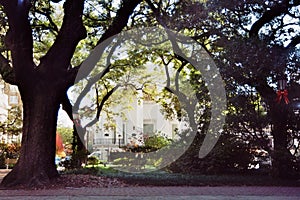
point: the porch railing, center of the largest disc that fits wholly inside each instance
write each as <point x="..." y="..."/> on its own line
<point x="109" y="141"/>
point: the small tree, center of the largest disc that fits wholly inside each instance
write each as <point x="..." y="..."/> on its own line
<point x="13" y="124"/>
<point x="66" y="133"/>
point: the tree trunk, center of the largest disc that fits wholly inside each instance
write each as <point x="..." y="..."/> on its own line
<point x="282" y="166"/>
<point x="36" y="165"/>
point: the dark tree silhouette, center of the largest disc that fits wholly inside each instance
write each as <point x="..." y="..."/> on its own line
<point x="43" y="86"/>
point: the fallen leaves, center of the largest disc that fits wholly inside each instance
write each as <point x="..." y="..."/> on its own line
<point x="85" y="180"/>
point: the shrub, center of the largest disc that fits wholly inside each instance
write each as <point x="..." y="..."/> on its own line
<point x="151" y="144"/>
<point x="230" y="154"/>
<point x="93" y="160"/>
<point x="156" y="142"/>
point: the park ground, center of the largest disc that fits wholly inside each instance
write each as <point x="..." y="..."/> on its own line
<point x="144" y="192"/>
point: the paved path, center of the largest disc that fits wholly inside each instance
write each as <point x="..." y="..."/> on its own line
<point x="3" y="173"/>
<point x="157" y="193"/>
<point x="160" y="193"/>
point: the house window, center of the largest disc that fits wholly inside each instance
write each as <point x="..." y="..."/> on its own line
<point x="13" y="100"/>
<point x="13" y="89"/>
<point x="149" y="129"/>
<point x="1" y="89"/>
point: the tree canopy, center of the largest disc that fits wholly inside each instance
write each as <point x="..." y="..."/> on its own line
<point x="44" y="44"/>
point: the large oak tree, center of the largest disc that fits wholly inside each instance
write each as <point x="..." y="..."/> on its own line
<point x="261" y="39"/>
<point x="255" y="43"/>
<point x="223" y="27"/>
<point x="43" y="86"/>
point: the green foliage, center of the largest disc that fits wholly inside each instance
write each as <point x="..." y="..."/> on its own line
<point x="163" y="178"/>
<point x="136" y="159"/>
<point x="9" y="151"/>
<point x="93" y="160"/>
<point x="231" y="154"/>
<point x="249" y="65"/>
<point x="156" y="142"/>
<point x="130" y="161"/>
<point x="66" y="133"/>
<point x="76" y="160"/>
<point x="13" y="123"/>
<point x="121" y="161"/>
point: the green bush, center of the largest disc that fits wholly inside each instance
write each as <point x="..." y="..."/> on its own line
<point x="93" y="160"/>
<point x="151" y="144"/>
<point x="75" y="161"/>
<point x="11" y="151"/>
<point x="230" y="154"/>
<point x="156" y="142"/>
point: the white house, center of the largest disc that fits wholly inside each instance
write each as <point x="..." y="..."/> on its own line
<point x="3" y="102"/>
<point x="9" y="97"/>
<point x="143" y="120"/>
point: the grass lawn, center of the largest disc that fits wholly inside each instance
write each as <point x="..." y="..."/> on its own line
<point x="164" y="178"/>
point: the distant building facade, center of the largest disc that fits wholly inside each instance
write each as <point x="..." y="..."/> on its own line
<point x="9" y="97"/>
<point x="143" y="120"/>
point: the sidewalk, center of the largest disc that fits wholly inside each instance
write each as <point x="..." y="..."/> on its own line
<point x="162" y="193"/>
<point x="159" y="193"/>
<point x="3" y="173"/>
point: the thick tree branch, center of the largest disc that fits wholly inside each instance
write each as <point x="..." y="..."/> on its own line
<point x="52" y="27"/>
<point x="266" y="92"/>
<point x="72" y="74"/>
<point x="118" y="24"/>
<point x="71" y="32"/>
<point x="260" y="83"/>
<point x="268" y="16"/>
<point x="121" y="19"/>
<point x="19" y="36"/>
<point x="294" y="42"/>
<point x="7" y="71"/>
<point x="100" y="106"/>
<point x="67" y="106"/>
<point x="183" y="64"/>
<point x="89" y="85"/>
